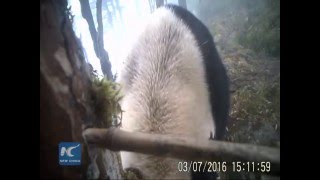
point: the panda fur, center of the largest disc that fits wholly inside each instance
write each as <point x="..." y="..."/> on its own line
<point x="175" y="84"/>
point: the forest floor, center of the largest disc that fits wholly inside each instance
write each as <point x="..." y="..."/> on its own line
<point x="254" y="87"/>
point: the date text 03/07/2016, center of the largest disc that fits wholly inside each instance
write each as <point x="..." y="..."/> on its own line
<point x="209" y="166"/>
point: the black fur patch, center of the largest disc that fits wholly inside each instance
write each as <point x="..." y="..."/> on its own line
<point x="216" y="75"/>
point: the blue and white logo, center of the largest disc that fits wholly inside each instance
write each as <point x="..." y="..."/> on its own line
<point x="70" y="153"/>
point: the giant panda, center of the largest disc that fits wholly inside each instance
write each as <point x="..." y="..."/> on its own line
<point x="174" y="83"/>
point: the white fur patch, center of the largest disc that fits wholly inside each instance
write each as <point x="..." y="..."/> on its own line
<point x="165" y="91"/>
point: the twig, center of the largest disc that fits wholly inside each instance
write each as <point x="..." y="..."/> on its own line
<point x="182" y="147"/>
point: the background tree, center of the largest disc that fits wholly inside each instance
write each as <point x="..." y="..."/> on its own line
<point x="63" y="79"/>
<point x="183" y="3"/>
<point x="66" y="104"/>
<point x="97" y="36"/>
<point x="159" y="3"/>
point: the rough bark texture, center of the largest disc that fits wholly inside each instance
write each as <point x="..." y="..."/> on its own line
<point x="62" y="90"/>
<point x="65" y="96"/>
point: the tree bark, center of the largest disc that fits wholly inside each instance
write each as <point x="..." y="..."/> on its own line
<point x="63" y="91"/>
<point x="65" y="97"/>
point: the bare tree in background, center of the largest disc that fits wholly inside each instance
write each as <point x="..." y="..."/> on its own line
<point x="159" y="3"/>
<point x="104" y="58"/>
<point x="182" y="3"/>
<point x="151" y="6"/>
<point x="154" y="4"/>
<point x="97" y="37"/>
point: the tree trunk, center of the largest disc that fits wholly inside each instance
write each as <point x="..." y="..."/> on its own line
<point x="104" y="57"/>
<point x="97" y="37"/>
<point x="87" y="15"/>
<point x="182" y="3"/>
<point x="63" y="86"/>
<point x="65" y="95"/>
<point x="159" y="3"/>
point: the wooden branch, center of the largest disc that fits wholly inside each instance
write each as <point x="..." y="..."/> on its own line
<point x="182" y="147"/>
